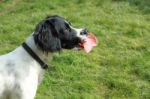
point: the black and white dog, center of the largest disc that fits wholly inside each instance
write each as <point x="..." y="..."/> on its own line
<point x="21" y="69"/>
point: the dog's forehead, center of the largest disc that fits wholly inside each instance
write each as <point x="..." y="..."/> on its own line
<point x="55" y="18"/>
<point x="60" y="20"/>
<point x="63" y="22"/>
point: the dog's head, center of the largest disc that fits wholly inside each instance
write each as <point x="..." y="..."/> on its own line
<point x="55" y="33"/>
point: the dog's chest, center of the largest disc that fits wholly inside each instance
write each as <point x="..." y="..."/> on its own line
<point x="19" y="69"/>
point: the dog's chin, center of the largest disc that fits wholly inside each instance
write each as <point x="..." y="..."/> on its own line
<point x="83" y="38"/>
<point x="79" y="47"/>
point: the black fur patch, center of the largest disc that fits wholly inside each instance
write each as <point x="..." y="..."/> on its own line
<point x="54" y="33"/>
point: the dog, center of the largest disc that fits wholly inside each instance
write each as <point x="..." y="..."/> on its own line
<point x="22" y="69"/>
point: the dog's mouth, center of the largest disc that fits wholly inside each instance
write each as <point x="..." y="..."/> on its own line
<point x="87" y="42"/>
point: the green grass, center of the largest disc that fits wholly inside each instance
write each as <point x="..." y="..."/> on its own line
<point x="118" y="68"/>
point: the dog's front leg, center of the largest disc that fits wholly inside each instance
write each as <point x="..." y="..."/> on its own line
<point x="29" y="86"/>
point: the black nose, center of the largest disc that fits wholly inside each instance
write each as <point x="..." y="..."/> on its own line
<point x="84" y="32"/>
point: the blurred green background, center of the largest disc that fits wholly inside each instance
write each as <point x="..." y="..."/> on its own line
<point x="118" y="68"/>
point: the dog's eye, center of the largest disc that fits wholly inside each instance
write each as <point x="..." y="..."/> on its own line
<point x="67" y="28"/>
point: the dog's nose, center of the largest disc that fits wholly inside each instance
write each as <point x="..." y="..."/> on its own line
<point x="84" y="32"/>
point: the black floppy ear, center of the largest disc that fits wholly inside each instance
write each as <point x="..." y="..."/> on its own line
<point x="46" y="38"/>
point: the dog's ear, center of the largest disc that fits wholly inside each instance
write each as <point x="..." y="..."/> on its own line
<point x="46" y="36"/>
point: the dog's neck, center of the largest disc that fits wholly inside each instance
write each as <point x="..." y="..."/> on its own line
<point x="42" y="55"/>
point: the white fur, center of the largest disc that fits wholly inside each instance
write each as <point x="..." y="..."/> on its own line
<point x="83" y="37"/>
<point x="20" y="74"/>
